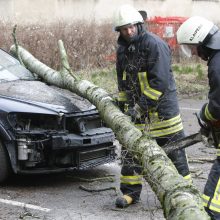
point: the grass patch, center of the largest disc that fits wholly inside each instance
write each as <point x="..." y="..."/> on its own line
<point x="191" y="79"/>
<point x="189" y="85"/>
<point x="105" y="78"/>
<point x="191" y="68"/>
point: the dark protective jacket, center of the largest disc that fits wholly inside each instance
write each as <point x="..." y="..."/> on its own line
<point x="212" y="110"/>
<point x="145" y="77"/>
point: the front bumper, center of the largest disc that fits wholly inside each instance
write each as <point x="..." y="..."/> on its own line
<point x="66" y="152"/>
<point x="92" y="137"/>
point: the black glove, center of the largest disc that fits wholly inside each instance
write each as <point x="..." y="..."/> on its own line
<point x="205" y="131"/>
<point x="202" y="113"/>
<point x="135" y="113"/>
<point x="205" y="128"/>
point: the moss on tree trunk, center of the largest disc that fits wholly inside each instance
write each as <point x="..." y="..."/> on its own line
<point x="179" y="199"/>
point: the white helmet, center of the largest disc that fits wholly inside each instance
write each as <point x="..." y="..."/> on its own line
<point x="198" y="30"/>
<point x="126" y="15"/>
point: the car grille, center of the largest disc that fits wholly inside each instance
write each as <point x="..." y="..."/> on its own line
<point x="95" y="157"/>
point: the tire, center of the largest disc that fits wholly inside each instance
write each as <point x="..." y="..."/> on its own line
<point x="5" y="168"/>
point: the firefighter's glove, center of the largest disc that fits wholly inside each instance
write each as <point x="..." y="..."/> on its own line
<point x="202" y="114"/>
<point x="135" y="112"/>
<point x="205" y="128"/>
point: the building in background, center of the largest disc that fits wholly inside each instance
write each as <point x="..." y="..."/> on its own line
<point x="52" y="10"/>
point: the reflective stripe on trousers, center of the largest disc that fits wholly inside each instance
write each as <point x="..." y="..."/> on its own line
<point x="213" y="203"/>
<point x="131" y="180"/>
<point x="208" y="115"/>
<point x="211" y="196"/>
<point x="163" y="127"/>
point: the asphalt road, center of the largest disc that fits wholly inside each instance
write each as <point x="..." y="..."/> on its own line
<point x="58" y="197"/>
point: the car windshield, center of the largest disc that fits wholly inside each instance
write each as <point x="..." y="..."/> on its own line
<point x="11" y="69"/>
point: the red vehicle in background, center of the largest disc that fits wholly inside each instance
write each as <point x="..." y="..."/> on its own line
<point x="166" y="28"/>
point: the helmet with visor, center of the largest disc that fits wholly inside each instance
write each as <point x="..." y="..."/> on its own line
<point x="197" y="31"/>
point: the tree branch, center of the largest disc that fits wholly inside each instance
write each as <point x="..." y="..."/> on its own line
<point x="179" y="199"/>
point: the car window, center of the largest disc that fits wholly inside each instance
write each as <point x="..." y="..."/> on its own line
<point x="11" y="69"/>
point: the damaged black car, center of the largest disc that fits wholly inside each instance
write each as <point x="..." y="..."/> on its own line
<point x="45" y="129"/>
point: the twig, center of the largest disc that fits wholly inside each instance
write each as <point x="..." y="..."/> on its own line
<point x="197" y="174"/>
<point x="26" y="213"/>
<point x="104" y="179"/>
<point x="200" y="177"/>
<point x="194" y="170"/>
<point x="16" y="45"/>
<point x="201" y="160"/>
<point x="195" y="161"/>
<point x="70" y="71"/>
<point x="117" y="209"/>
<point x="108" y="175"/>
<point x="152" y="209"/>
<point x="97" y="190"/>
<point x="204" y="151"/>
<point x="64" y="60"/>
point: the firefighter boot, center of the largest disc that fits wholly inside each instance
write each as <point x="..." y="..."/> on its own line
<point x="124" y="201"/>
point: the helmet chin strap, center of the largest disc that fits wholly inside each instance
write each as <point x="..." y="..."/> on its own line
<point x="140" y="28"/>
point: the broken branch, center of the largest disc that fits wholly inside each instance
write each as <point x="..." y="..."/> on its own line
<point x="97" y="190"/>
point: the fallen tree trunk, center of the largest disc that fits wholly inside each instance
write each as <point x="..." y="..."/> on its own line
<point x="179" y="199"/>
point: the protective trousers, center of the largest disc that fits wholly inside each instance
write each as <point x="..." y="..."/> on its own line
<point x="211" y="196"/>
<point x="131" y="178"/>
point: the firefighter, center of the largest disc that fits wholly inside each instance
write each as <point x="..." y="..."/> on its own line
<point x="147" y="93"/>
<point x="199" y="36"/>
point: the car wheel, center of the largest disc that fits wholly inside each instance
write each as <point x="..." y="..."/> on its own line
<point x="5" y="168"/>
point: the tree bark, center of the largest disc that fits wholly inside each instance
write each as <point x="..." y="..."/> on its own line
<point x="178" y="198"/>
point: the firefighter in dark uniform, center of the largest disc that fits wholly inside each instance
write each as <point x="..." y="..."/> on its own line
<point x="199" y="36"/>
<point x="147" y="93"/>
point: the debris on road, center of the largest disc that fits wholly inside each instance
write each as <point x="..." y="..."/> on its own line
<point x="27" y="214"/>
<point x="97" y="190"/>
<point x="100" y="179"/>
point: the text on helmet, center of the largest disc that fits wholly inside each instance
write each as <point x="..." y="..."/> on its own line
<point x="195" y="32"/>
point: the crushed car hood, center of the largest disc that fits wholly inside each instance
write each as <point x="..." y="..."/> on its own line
<point x="37" y="96"/>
